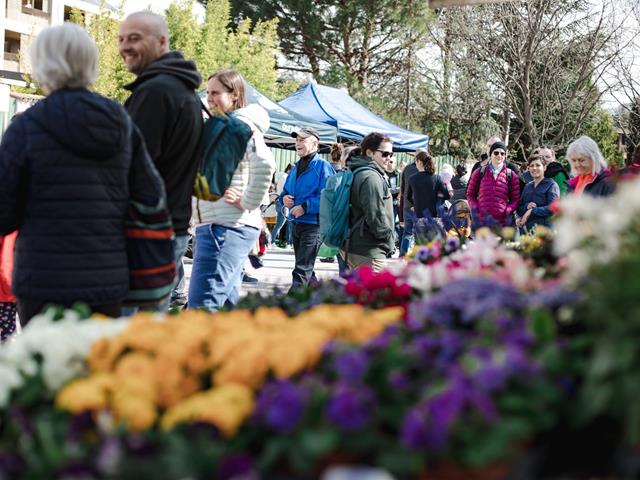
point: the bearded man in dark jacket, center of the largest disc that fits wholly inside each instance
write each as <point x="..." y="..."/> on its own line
<point x="164" y="106"/>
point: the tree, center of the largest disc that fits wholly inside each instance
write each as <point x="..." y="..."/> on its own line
<point x="602" y="130"/>
<point x="354" y="43"/>
<point x="543" y="59"/>
<point x="251" y="48"/>
<point x="184" y="31"/>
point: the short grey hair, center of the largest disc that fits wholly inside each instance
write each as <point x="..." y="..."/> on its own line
<point x="64" y="56"/>
<point x="586" y="147"/>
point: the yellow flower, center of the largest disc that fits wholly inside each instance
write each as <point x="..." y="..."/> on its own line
<point x="137" y="412"/>
<point x="247" y="366"/>
<point x="85" y="394"/>
<point x="104" y="352"/>
<point x="225" y="407"/>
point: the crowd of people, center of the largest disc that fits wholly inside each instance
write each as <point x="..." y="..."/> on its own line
<point x="77" y="164"/>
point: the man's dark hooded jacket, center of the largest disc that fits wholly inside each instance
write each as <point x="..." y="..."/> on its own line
<point x="166" y="109"/>
<point x="70" y="165"/>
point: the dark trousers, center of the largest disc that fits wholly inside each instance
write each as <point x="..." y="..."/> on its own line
<point x="306" y="243"/>
<point x="27" y="309"/>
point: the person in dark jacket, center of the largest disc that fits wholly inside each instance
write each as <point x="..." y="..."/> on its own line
<point x="371" y="214"/>
<point x="537" y="196"/>
<point x="164" y="106"/>
<point x="394" y="179"/>
<point x="459" y="183"/>
<point x="425" y="188"/>
<point x="589" y="169"/>
<point x="70" y="166"/>
<point x="406" y="214"/>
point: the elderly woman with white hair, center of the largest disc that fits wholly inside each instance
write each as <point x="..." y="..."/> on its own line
<point x="589" y="169"/>
<point x="71" y="166"/>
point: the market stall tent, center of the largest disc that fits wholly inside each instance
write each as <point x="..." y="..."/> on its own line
<point x="336" y="108"/>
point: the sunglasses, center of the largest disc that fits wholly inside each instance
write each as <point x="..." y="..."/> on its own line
<point x="496" y="153"/>
<point x="385" y="154"/>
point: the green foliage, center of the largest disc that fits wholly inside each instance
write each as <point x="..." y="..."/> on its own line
<point x="250" y="48"/>
<point x="601" y="129"/>
<point x="182" y="34"/>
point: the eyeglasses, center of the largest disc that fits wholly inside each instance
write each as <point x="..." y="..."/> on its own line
<point x="385" y="154"/>
<point x="496" y="153"/>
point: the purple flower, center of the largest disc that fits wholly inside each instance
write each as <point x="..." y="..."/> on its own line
<point x="399" y="381"/>
<point x="382" y="341"/>
<point x="424" y="348"/>
<point x="423" y="254"/>
<point x="350" y="407"/>
<point x="235" y="466"/>
<point x="109" y="456"/>
<point x="351" y="366"/>
<point x="553" y="297"/>
<point x="464" y="302"/>
<point x="518" y="364"/>
<point x="422" y="431"/>
<point x="280" y="405"/>
<point x="490" y="377"/>
<point x="451" y="244"/>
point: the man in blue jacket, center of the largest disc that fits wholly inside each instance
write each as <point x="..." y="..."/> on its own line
<point x="301" y="195"/>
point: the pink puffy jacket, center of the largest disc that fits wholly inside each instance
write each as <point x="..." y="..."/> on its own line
<point x="491" y="197"/>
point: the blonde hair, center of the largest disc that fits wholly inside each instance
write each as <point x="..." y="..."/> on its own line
<point x="64" y="56"/>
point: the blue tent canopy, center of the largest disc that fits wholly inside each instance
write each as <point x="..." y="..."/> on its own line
<point x="353" y="121"/>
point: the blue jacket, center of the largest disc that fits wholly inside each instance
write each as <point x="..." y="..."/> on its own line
<point x="306" y="189"/>
<point x="543" y="195"/>
<point x="70" y="165"/>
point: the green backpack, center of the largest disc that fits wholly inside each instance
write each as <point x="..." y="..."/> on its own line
<point x="224" y="142"/>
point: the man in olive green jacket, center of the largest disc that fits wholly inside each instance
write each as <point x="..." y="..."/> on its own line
<point x="371" y="214"/>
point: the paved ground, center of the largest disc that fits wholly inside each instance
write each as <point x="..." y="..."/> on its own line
<point x="276" y="272"/>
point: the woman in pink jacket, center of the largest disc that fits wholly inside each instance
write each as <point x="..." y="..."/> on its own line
<point x="494" y="190"/>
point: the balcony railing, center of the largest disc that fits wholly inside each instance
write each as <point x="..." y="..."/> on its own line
<point x="35" y="12"/>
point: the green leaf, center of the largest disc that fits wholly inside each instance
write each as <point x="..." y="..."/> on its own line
<point x="318" y="442"/>
<point x="401" y="461"/>
<point x="542" y="325"/>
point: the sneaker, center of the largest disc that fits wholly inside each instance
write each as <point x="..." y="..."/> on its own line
<point x="246" y="278"/>
<point x="255" y="261"/>
<point x="328" y="259"/>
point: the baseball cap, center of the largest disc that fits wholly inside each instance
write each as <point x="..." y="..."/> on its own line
<point x="306" y="132"/>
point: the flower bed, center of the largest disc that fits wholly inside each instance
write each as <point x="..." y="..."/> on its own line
<point x="454" y="362"/>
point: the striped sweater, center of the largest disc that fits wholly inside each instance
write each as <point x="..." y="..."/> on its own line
<point x="252" y="177"/>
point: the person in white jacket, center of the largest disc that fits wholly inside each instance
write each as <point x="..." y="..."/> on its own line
<point x="227" y="229"/>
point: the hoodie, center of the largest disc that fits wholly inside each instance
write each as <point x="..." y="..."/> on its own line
<point x="70" y="165"/>
<point x="252" y="177"/>
<point x="166" y="109"/>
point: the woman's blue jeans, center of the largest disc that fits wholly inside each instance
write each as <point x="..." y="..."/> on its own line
<point x="218" y="262"/>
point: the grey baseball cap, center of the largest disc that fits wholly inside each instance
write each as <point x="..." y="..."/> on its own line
<point x="306" y="132"/>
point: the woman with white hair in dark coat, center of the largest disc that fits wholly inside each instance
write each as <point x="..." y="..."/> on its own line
<point x="71" y="165"/>
<point x="589" y="169"/>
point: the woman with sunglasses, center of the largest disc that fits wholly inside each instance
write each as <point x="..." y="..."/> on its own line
<point x="494" y="190"/>
<point x="371" y="214"/>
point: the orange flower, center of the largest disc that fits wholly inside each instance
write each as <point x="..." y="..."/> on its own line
<point x="85" y="394"/>
<point x="137" y="412"/>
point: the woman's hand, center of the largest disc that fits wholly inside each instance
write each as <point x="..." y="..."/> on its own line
<point x="287" y="201"/>
<point x="233" y="196"/>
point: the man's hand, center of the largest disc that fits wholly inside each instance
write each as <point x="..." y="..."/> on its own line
<point x="531" y="205"/>
<point x="233" y="196"/>
<point x="297" y="211"/>
<point x="287" y="201"/>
